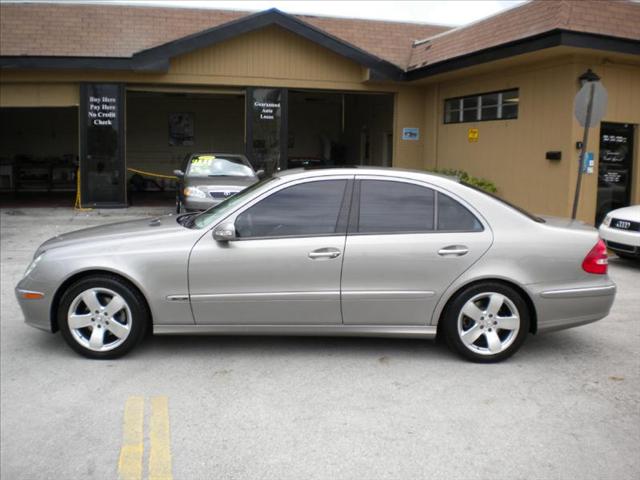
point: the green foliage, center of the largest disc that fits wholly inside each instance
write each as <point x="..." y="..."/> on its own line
<point x="464" y="177"/>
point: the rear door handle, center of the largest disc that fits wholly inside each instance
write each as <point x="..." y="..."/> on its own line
<point x="453" y="251"/>
<point x="324" y="253"/>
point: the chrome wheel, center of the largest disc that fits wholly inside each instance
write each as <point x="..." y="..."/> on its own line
<point x="99" y="319"/>
<point x="488" y="323"/>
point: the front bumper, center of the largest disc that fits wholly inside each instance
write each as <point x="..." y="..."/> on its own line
<point x="625" y="241"/>
<point x="36" y="311"/>
<point x="192" y="204"/>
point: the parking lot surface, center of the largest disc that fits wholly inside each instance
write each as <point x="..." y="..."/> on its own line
<point x="566" y="406"/>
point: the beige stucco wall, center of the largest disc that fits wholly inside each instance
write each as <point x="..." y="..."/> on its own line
<point x="622" y="82"/>
<point x="268" y="57"/>
<point x="511" y="153"/>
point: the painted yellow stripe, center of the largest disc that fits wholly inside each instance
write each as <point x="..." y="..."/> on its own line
<point x="130" y="463"/>
<point x="160" y="441"/>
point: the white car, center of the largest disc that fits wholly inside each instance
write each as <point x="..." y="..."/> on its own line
<point x="621" y="231"/>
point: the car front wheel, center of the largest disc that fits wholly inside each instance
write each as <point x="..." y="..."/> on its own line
<point x="102" y="316"/>
<point x="486" y="322"/>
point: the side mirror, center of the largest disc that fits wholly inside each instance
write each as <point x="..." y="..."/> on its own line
<point x="260" y="174"/>
<point x="178" y="173"/>
<point x="224" y="232"/>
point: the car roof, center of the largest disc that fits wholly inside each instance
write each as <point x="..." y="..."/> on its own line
<point x="362" y="170"/>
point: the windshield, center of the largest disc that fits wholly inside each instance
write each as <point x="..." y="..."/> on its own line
<point x="213" y="166"/>
<point x="217" y="212"/>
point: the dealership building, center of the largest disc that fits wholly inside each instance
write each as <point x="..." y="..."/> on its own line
<point x="118" y="90"/>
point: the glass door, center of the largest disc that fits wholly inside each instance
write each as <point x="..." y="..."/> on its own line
<point x="102" y="164"/>
<point x="614" y="170"/>
<point x="267" y="128"/>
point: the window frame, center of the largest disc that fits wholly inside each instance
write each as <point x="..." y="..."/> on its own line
<point x="343" y="212"/>
<point x="354" y="212"/>
<point x="460" y="107"/>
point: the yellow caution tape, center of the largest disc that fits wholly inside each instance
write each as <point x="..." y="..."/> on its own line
<point x="78" y="205"/>
<point x="151" y="174"/>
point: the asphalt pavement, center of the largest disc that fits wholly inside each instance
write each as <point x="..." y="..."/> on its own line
<point x="567" y="406"/>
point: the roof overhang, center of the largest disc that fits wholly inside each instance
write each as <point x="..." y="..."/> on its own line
<point x="157" y="59"/>
<point x="550" y="39"/>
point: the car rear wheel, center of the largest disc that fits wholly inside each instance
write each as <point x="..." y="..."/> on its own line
<point x="487" y="322"/>
<point x="102" y="316"/>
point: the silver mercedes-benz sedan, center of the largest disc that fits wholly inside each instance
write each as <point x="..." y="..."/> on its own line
<point x="357" y="251"/>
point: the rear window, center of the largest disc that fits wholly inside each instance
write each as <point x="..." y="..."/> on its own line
<point x="520" y="210"/>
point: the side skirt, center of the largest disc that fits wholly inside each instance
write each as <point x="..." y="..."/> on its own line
<point x="410" y="331"/>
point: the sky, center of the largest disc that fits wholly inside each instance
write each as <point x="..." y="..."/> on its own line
<point x="444" y="12"/>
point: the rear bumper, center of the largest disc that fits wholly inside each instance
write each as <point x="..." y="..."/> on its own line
<point x="558" y="309"/>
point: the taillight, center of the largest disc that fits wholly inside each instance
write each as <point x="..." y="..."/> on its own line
<point x="596" y="260"/>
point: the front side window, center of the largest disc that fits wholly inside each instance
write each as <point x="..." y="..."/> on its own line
<point x="305" y="209"/>
<point x="395" y="207"/>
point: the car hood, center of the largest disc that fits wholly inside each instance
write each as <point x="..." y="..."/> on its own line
<point x="220" y="182"/>
<point x="627" y="213"/>
<point x="129" y="231"/>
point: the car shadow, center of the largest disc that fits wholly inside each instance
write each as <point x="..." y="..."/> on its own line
<point x="627" y="264"/>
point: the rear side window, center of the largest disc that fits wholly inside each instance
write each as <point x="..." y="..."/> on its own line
<point x="395" y="207"/>
<point x="453" y="217"/>
<point x="399" y="207"/>
<point x="311" y="208"/>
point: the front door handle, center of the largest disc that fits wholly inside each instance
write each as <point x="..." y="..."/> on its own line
<point x="324" y="253"/>
<point x="453" y="251"/>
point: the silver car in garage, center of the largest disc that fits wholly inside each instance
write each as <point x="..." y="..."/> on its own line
<point x="352" y="251"/>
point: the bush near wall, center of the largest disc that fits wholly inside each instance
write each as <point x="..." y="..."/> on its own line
<point x="464" y="177"/>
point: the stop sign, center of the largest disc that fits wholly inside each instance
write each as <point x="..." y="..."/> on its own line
<point x="598" y="108"/>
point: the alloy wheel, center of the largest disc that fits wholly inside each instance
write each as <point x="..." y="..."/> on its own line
<point x="488" y="323"/>
<point x="99" y="319"/>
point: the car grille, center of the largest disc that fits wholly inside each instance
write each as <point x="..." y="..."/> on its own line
<point x="621" y="224"/>
<point x="222" y="194"/>
<point x="621" y="246"/>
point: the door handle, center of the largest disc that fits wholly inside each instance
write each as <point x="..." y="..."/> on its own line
<point x="324" y="253"/>
<point x="453" y="251"/>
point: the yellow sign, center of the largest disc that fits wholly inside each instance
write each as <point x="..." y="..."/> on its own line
<point x="473" y="135"/>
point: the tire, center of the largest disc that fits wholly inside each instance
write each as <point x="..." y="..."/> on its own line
<point x="470" y="321"/>
<point x="102" y="332"/>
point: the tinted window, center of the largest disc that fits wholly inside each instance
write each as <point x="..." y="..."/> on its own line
<point x="394" y="207"/>
<point x="306" y="209"/>
<point x="454" y="217"/>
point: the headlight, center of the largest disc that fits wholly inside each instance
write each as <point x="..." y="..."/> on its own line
<point x="194" y="192"/>
<point x="33" y="264"/>
<point x="607" y="221"/>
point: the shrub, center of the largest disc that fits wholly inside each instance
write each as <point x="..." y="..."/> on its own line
<point x="463" y="176"/>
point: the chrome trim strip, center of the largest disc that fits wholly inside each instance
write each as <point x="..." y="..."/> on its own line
<point x="21" y="291"/>
<point x="407" y="331"/>
<point x="258" y="296"/>
<point x="178" y="298"/>
<point x="580" y="292"/>
<point x="388" y="294"/>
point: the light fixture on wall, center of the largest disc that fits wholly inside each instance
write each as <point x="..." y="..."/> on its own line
<point x="588" y="76"/>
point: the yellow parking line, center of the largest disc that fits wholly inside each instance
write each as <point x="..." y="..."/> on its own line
<point x="160" y="441"/>
<point x="130" y="463"/>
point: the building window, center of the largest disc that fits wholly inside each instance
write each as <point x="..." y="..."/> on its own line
<point x="482" y="107"/>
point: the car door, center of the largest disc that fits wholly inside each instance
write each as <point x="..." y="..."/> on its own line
<point x="284" y="265"/>
<point x="406" y="244"/>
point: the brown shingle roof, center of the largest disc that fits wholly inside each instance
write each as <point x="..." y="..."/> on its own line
<point x="616" y="18"/>
<point x="120" y="31"/>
